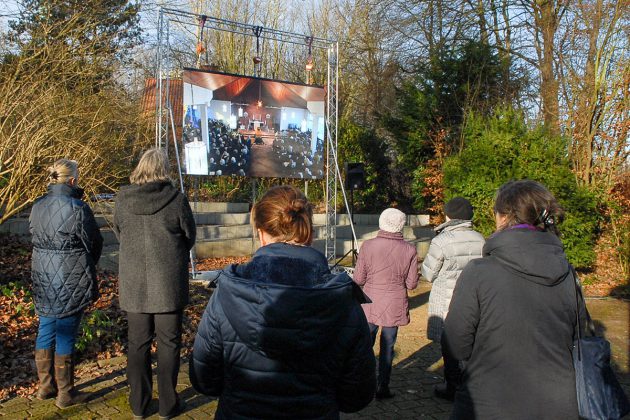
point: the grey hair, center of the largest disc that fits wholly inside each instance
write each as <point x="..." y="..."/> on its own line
<point x="153" y="166"/>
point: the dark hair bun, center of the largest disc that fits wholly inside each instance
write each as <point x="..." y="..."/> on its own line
<point x="297" y="206"/>
<point x="285" y="214"/>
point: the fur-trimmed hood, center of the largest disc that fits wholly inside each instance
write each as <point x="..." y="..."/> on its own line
<point x="285" y="302"/>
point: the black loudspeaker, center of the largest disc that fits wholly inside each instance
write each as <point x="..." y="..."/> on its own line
<point x="355" y="176"/>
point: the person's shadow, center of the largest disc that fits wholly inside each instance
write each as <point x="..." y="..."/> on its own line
<point x="412" y="382"/>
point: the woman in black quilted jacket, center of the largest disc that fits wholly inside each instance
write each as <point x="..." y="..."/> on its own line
<point x="283" y="338"/>
<point x="66" y="247"/>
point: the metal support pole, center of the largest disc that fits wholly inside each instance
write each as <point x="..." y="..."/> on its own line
<point x="331" y="161"/>
<point x="181" y="179"/>
<point x="353" y="249"/>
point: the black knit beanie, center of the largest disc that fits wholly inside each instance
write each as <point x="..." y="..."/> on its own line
<point x="459" y="208"/>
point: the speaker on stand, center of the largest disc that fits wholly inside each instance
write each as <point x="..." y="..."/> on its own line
<point x="355" y="180"/>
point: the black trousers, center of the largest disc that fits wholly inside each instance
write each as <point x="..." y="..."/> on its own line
<point x="452" y="370"/>
<point x="386" y="354"/>
<point x="167" y="327"/>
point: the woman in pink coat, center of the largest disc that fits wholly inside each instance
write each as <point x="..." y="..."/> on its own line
<point x="386" y="268"/>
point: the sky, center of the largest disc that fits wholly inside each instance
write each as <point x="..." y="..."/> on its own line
<point x="8" y="10"/>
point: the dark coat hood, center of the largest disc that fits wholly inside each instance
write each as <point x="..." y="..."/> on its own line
<point x="281" y="320"/>
<point x="534" y="255"/>
<point x="147" y="198"/>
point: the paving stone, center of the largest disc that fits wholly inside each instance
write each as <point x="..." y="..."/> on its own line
<point x="108" y="411"/>
<point x="42" y="408"/>
<point x="15" y="408"/>
<point x="16" y="401"/>
<point x="21" y="414"/>
<point x="113" y="361"/>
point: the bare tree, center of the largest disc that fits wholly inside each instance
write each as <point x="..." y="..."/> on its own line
<point x="596" y="77"/>
<point x="51" y="108"/>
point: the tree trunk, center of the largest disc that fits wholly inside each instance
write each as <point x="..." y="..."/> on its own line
<point x="546" y="20"/>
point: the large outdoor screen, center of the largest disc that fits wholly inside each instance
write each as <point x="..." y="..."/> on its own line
<point x="247" y="126"/>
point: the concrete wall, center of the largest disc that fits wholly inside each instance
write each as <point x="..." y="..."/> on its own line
<point x="224" y="230"/>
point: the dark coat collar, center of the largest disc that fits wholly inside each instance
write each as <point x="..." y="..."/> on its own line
<point x="65" y="189"/>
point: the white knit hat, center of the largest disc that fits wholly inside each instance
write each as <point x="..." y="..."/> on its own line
<point x="392" y="220"/>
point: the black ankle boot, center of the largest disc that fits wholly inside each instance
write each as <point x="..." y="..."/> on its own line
<point x="444" y="391"/>
<point x="383" y="393"/>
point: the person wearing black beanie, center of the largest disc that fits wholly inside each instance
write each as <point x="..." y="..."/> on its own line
<point x="455" y="244"/>
<point x="459" y="209"/>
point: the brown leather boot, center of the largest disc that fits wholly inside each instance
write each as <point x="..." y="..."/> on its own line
<point x="64" y="373"/>
<point x="45" y="373"/>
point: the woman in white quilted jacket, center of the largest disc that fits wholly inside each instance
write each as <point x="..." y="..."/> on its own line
<point x="454" y="246"/>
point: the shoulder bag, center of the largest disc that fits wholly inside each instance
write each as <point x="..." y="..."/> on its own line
<point x="599" y="394"/>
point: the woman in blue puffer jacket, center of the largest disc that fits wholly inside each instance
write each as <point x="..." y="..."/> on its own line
<point x="282" y="337"/>
<point x="66" y="247"/>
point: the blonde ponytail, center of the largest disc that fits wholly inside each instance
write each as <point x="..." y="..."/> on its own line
<point x="62" y="170"/>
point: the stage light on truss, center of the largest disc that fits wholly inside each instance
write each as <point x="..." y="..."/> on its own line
<point x="309" y="63"/>
<point x="200" y="48"/>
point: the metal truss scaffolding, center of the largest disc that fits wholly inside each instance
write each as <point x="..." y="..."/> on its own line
<point x="165" y="70"/>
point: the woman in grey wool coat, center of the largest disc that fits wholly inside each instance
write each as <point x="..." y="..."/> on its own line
<point x="155" y="226"/>
<point x="450" y="251"/>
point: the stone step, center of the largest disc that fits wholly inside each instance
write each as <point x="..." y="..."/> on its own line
<point x="228" y="219"/>
<point x="211" y="232"/>
<point x="104" y="220"/>
<point x="246" y="246"/>
<point x="211" y="207"/>
<point x="370" y="219"/>
<point x="109" y="237"/>
<point x="20" y="226"/>
<point x="16" y="226"/>
<point x="238" y="247"/>
<point x="370" y="231"/>
<point x="242" y="247"/>
<point x="102" y="207"/>
<point x="224" y="219"/>
<point x="109" y="258"/>
<point x="344" y="246"/>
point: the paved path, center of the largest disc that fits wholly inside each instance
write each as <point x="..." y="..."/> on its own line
<point x="416" y="370"/>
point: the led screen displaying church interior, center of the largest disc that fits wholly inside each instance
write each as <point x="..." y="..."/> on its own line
<point x="247" y="126"/>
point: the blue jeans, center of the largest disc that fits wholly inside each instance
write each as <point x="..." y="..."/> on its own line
<point x="386" y="354"/>
<point x="58" y="332"/>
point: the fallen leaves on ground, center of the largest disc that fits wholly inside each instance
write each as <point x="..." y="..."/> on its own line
<point x="19" y="323"/>
<point x="210" y="264"/>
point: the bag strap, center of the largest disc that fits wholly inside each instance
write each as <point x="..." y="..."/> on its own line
<point x="589" y="321"/>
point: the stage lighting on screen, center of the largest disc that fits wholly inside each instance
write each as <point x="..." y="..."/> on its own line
<point x="245" y="126"/>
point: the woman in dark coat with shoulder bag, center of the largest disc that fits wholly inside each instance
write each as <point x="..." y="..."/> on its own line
<point x="283" y="338"/>
<point x="512" y="318"/>
<point x="66" y="247"/>
<point x="156" y="229"/>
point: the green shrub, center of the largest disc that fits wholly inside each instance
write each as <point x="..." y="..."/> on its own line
<point x="502" y="148"/>
<point x="94" y="325"/>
